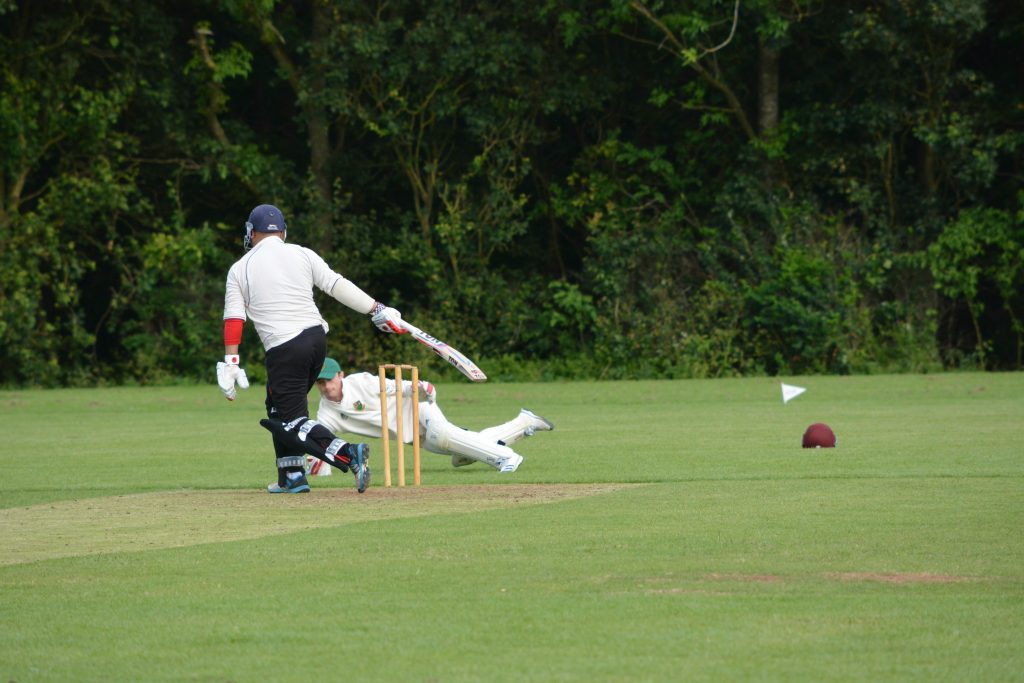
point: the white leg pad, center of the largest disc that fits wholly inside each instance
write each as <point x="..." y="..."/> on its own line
<point x="447" y="439"/>
<point x="525" y="423"/>
<point x="509" y="432"/>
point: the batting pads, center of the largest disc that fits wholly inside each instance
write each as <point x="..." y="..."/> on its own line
<point x="524" y="424"/>
<point x="446" y="439"/>
<point x="309" y="436"/>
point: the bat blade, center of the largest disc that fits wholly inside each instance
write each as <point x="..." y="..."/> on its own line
<point x="453" y="356"/>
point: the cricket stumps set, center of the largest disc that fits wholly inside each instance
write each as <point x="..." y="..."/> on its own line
<point x="382" y="373"/>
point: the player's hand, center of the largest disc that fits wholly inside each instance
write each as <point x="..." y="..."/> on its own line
<point x="229" y="374"/>
<point x="387" y="319"/>
<point x="428" y="392"/>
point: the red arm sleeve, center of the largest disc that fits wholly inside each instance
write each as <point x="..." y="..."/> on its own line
<point x="233" y="331"/>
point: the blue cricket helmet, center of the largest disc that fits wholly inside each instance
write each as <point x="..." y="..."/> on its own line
<point x="264" y="218"/>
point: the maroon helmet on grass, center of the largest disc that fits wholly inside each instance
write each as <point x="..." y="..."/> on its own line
<point x="819" y="435"/>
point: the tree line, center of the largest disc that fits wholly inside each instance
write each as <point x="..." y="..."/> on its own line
<point x="559" y="188"/>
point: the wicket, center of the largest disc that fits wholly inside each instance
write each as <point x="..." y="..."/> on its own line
<point x="384" y="432"/>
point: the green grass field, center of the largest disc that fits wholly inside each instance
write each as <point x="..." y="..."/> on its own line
<point x="665" y="531"/>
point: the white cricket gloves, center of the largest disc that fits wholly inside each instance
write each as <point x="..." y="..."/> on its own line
<point x="427" y="392"/>
<point x="229" y="374"/>
<point x="387" y="319"/>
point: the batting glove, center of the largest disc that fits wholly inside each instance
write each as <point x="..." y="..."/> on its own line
<point x="229" y="374"/>
<point x="428" y="392"/>
<point x="387" y="319"/>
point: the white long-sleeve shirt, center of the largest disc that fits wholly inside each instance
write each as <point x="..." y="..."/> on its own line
<point x="273" y="286"/>
<point x="358" y="412"/>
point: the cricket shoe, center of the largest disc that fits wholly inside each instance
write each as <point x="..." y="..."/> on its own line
<point x="359" y="454"/>
<point x="510" y="464"/>
<point x="535" y="423"/>
<point x="296" y="485"/>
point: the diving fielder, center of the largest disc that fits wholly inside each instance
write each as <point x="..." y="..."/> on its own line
<point x="352" y="404"/>
<point x="272" y="285"/>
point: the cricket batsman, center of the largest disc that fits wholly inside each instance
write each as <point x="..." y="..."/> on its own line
<point x="272" y="285"/>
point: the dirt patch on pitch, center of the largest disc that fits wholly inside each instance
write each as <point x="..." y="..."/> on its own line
<point x="899" y="578"/>
<point x="744" y="578"/>
<point x="172" y="519"/>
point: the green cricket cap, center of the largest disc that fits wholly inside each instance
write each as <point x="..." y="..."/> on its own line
<point x="330" y="369"/>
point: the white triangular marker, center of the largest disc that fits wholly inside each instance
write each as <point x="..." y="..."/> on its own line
<point x="790" y="392"/>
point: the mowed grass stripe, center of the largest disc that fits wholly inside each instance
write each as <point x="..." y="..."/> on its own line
<point x="740" y="556"/>
<point x="174" y="519"/>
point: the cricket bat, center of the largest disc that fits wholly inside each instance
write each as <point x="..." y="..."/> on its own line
<point x="456" y="358"/>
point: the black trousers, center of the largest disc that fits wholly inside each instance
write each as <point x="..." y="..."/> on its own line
<point x="292" y="369"/>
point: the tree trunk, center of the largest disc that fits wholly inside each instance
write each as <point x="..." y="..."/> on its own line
<point x="768" y="87"/>
<point x="313" y="114"/>
<point x="319" y="133"/>
<point x="768" y="103"/>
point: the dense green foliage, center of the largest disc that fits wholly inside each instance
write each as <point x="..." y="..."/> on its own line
<point x="623" y="188"/>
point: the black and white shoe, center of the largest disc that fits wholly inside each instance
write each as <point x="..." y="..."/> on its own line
<point x="359" y="454"/>
<point x="296" y="485"/>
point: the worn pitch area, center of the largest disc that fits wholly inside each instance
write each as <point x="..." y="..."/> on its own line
<point x="172" y="519"/>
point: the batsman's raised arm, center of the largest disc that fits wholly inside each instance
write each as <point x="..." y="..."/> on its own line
<point x="386" y="319"/>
